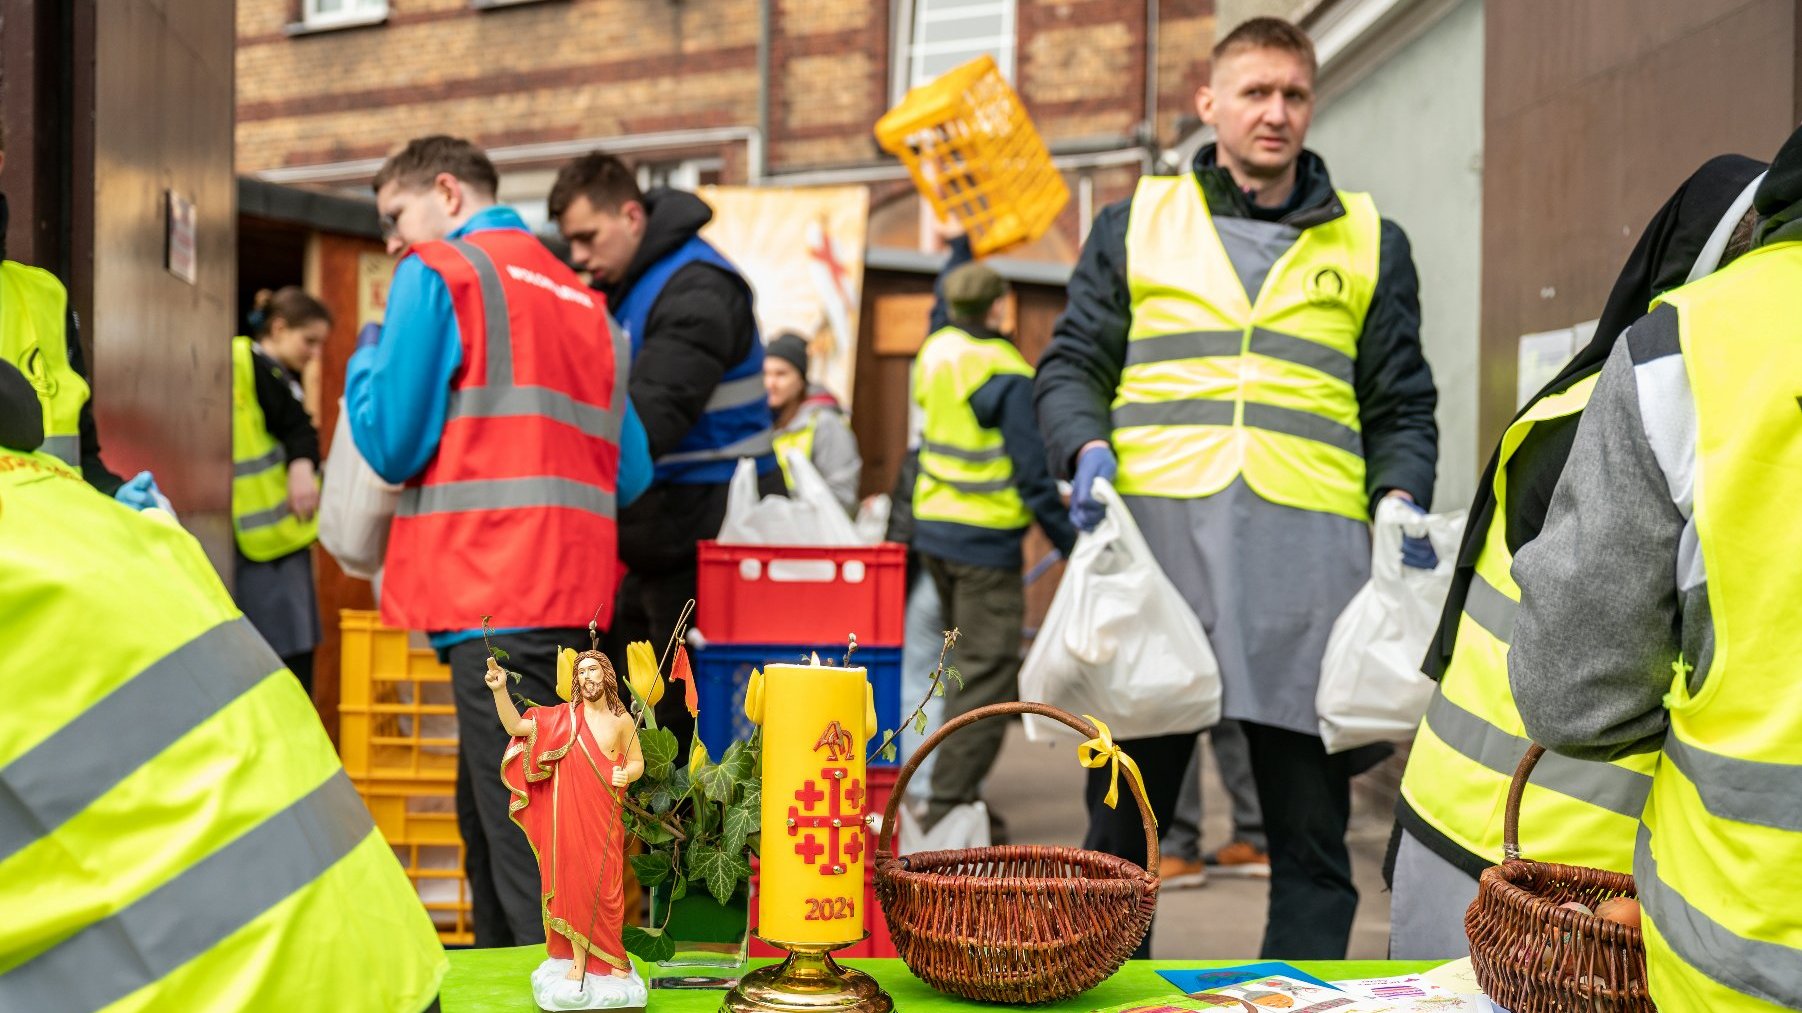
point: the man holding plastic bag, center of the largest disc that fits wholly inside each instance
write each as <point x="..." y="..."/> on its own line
<point x="1241" y="353"/>
<point x="982" y="481"/>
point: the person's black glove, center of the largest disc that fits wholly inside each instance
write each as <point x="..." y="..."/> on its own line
<point x="21" y="414"/>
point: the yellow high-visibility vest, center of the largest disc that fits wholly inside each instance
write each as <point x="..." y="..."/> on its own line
<point x="264" y="525"/>
<point x="1721" y="839"/>
<point x="966" y="476"/>
<point x="1464" y="756"/>
<point x="799" y="441"/>
<point x="34" y="336"/>
<point x="1220" y="383"/>
<point x="176" y="832"/>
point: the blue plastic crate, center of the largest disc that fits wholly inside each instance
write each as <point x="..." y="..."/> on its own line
<point x="722" y="670"/>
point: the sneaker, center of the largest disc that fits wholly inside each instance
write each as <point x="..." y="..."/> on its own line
<point x="1180" y="873"/>
<point x="1239" y="859"/>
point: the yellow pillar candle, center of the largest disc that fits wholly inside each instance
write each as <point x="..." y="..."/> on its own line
<point x="817" y="723"/>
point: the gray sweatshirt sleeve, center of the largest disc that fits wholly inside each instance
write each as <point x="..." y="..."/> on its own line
<point x="1597" y="632"/>
<point x="835" y="454"/>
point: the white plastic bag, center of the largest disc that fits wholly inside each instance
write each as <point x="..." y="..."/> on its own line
<point x="1371" y="687"/>
<point x="809" y="515"/>
<point x="1120" y="642"/>
<point x="356" y="506"/>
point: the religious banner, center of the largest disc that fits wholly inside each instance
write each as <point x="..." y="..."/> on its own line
<point x="802" y="251"/>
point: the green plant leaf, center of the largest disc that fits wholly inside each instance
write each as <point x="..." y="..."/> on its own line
<point x="659" y="747"/>
<point x="651" y="869"/>
<point x="723" y="870"/>
<point x="888" y="752"/>
<point x="648" y="944"/>
<point x="679" y="888"/>
<point x="750" y="795"/>
<point x="754" y="844"/>
<point x="919" y="722"/>
<point x="718" y="780"/>
<point x="938" y="688"/>
<point x="740" y="824"/>
<point x="956" y="676"/>
<point x="652" y="834"/>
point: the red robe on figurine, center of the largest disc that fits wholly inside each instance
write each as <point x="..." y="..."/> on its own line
<point x="564" y="800"/>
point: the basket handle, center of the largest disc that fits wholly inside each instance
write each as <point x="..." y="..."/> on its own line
<point x="884" y="843"/>
<point x="1516" y="788"/>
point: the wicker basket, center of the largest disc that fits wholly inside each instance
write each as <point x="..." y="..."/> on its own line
<point x="1532" y="956"/>
<point x="1014" y="924"/>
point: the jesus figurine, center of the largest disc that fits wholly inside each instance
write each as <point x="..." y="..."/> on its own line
<point x="567" y="768"/>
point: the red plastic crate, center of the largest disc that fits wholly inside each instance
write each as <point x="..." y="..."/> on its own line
<point x="882" y="785"/>
<point x="782" y="594"/>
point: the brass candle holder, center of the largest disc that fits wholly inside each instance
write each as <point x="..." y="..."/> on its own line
<point x="807" y="981"/>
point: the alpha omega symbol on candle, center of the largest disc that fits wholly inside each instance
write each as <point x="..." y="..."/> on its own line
<point x="833" y="806"/>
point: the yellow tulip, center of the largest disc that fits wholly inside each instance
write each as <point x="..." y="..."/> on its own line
<point x="697" y="757"/>
<point x="566" y="672"/>
<point x="641" y="672"/>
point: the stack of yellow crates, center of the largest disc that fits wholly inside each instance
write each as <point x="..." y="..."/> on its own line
<point x="397" y="734"/>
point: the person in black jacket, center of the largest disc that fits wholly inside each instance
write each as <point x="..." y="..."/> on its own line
<point x="697" y="383"/>
<point x="288" y="328"/>
<point x="1249" y="369"/>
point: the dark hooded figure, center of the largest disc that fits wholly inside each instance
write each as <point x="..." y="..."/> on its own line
<point x="1449" y="815"/>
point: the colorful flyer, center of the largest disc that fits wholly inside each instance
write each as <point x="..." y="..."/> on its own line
<point x="1191" y="981"/>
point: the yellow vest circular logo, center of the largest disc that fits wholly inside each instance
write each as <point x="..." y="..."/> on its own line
<point x="1326" y="287"/>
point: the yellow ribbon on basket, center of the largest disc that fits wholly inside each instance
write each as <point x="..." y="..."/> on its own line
<point x="1100" y="751"/>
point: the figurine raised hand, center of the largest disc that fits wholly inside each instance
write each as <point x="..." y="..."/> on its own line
<point x="567" y="768"/>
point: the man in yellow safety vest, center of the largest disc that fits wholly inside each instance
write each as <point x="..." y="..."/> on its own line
<point x="1659" y="611"/>
<point x="40" y="336"/>
<point x="981" y="482"/>
<point x="176" y="832"/>
<point x="1455" y="788"/>
<point x="1241" y="355"/>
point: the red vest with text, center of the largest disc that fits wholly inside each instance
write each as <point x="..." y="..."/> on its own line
<point x="514" y="516"/>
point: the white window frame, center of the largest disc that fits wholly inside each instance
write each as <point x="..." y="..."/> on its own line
<point x="914" y="19"/>
<point x="356" y="12"/>
<point x="679" y="174"/>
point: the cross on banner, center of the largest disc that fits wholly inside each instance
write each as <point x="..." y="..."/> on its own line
<point x="842" y="822"/>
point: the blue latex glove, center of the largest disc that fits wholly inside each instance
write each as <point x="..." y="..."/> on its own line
<point x="1417" y="552"/>
<point x="1096" y="462"/>
<point x="141" y="493"/>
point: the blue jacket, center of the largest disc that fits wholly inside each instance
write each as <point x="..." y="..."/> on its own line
<point x="397" y="391"/>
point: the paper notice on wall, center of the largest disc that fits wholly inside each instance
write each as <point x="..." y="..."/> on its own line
<point x="1543" y="354"/>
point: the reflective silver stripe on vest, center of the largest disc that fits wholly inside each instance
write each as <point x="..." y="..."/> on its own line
<point x="258" y="465"/>
<point x="1491" y="609"/>
<point x="1302" y="352"/>
<point x="973" y="456"/>
<point x="504" y="494"/>
<point x="755" y="445"/>
<point x="64" y="448"/>
<point x="1212" y="344"/>
<point x="1770" y="971"/>
<point x="1605" y="785"/>
<point x="1217" y="412"/>
<point x="265" y="518"/>
<point x="543" y="402"/>
<point x="63" y="775"/>
<point x="499" y="343"/>
<point x="972" y="488"/>
<point x="196" y="910"/>
<point x="1188" y="345"/>
<point x="1746" y="791"/>
<point x="747" y="390"/>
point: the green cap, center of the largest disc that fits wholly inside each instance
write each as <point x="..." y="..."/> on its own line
<point x="972" y="289"/>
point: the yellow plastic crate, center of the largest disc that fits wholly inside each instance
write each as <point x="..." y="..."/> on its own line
<point x="397" y="718"/>
<point x="974" y="153"/>
<point x="419" y="821"/>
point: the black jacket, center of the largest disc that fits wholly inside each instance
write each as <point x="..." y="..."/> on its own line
<point x="1080" y="373"/>
<point x="284" y="415"/>
<point x="93" y="470"/>
<point x="699" y="327"/>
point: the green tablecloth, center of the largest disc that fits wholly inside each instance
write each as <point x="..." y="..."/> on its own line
<point x="497" y="981"/>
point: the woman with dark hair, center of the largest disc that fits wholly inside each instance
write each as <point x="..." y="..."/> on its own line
<point x="275" y="458"/>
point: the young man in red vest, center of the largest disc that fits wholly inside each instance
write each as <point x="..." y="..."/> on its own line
<point x="496" y="393"/>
